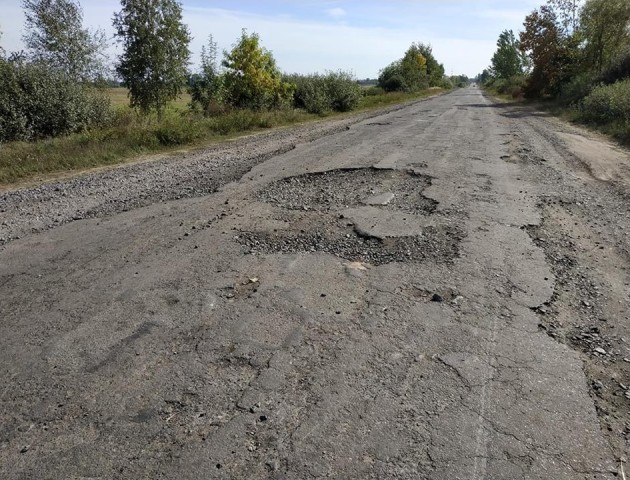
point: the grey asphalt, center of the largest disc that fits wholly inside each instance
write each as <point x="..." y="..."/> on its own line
<point x="305" y="328"/>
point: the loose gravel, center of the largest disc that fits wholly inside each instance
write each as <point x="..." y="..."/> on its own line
<point x="350" y="188"/>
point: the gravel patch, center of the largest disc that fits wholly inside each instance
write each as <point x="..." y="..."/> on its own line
<point x="345" y="188"/>
<point x="439" y="244"/>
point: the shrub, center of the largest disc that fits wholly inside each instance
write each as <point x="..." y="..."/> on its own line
<point x="343" y="91"/>
<point x="395" y="83"/>
<point x="576" y="89"/>
<point x="374" y="92"/>
<point x="608" y="103"/>
<point x="618" y="70"/>
<point x="37" y="102"/>
<point x="334" y="91"/>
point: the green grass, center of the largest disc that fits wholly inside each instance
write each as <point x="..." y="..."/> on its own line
<point x="132" y="136"/>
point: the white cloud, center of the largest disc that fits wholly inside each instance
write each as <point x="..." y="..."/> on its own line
<point x="336" y="12"/>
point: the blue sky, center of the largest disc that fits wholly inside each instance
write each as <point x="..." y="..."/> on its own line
<point x="308" y="36"/>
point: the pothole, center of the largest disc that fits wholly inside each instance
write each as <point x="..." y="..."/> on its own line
<point x="439" y="244"/>
<point x="346" y="188"/>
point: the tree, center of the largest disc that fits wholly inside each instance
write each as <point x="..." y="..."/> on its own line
<point x="554" y="53"/>
<point x="206" y="87"/>
<point x="418" y="69"/>
<point x="252" y="79"/>
<point x="155" y="55"/>
<point x="434" y="69"/>
<point x="606" y="27"/>
<point x="507" y="61"/>
<point x="55" y="35"/>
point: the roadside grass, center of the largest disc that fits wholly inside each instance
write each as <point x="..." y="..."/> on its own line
<point x="618" y="129"/>
<point x="132" y="135"/>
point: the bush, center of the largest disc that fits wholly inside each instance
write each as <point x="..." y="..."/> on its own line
<point x="608" y="103"/>
<point x="334" y="91"/>
<point x="374" y="92"/>
<point x="38" y="102"/>
<point x="576" y="89"/>
<point x="618" y="70"/>
<point x="395" y="83"/>
<point x="343" y="91"/>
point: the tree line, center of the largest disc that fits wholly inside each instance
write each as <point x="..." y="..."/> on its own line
<point x="52" y="88"/>
<point x="575" y="52"/>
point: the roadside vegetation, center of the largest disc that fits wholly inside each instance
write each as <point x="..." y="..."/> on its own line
<point x="575" y="57"/>
<point x="60" y="109"/>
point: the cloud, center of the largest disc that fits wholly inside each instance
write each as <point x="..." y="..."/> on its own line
<point x="336" y="12"/>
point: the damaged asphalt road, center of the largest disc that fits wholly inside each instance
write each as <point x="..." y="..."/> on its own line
<point x="438" y="292"/>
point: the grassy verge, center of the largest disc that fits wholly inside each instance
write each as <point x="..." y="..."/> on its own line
<point x="132" y="136"/>
<point x="618" y="129"/>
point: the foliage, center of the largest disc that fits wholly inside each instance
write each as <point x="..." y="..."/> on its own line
<point x="553" y="52"/>
<point x="606" y="28"/>
<point x="320" y="94"/>
<point x="608" y="103"/>
<point x="417" y="70"/>
<point x="55" y="35"/>
<point x="508" y="60"/>
<point x="619" y="69"/>
<point x="37" y="101"/>
<point x="572" y="92"/>
<point x="155" y="52"/>
<point x="206" y="87"/>
<point x="252" y="79"/>
<point x="434" y="69"/>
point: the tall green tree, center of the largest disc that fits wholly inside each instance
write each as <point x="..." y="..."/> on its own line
<point x="606" y="28"/>
<point x="206" y="86"/>
<point x="418" y="69"/>
<point x="156" y="52"/>
<point x="434" y="69"/>
<point x="252" y="78"/>
<point x="507" y="61"/>
<point x="54" y="34"/>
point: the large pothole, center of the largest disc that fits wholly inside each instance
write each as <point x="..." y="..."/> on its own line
<point x="368" y="215"/>
<point x="345" y="188"/>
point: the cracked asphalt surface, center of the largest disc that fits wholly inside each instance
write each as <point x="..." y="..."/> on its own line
<point x="439" y="291"/>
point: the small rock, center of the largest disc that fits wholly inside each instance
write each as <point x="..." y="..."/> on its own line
<point x="437" y="298"/>
<point x="600" y="350"/>
<point x="458" y="300"/>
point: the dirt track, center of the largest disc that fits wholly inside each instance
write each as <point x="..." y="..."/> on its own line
<point x="438" y="292"/>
